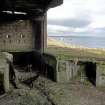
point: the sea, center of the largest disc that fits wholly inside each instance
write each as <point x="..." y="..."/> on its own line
<point x="85" y="41"/>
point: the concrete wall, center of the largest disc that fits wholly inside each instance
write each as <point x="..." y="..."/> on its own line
<point x="16" y="36"/>
<point x="61" y="72"/>
<point x="100" y="74"/>
<point x="23" y="35"/>
<point x="66" y="70"/>
<point x="4" y="73"/>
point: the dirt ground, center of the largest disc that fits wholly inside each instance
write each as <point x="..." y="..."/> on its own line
<point x="46" y="92"/>
<point x="75" y="93"/>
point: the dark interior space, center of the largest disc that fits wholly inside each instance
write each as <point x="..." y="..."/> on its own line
<point x="91" y="72"/>
<point x="1" y="85"/>
<point x="24" y="60"/>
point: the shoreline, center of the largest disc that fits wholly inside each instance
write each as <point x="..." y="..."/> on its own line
<point x="62" y="44"/>
<point x="54" y="42"/>
<point x="59" y="47"/>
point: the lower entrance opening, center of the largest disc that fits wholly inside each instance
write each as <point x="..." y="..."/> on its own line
<point x="90" y="70"/>
<point x="1" y="85"/>
<point x="38" y="62"/>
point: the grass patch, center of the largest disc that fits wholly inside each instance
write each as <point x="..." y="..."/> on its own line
<point x="64" y="51"/>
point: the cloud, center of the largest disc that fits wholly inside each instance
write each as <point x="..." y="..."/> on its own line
<point x="70" y="22"/>
<point x="58" y="30"/>
<point x="86" y="31"/>
<point x="78" y="17"/>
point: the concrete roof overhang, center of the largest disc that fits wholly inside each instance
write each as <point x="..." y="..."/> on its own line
<point x="28" y="6"/>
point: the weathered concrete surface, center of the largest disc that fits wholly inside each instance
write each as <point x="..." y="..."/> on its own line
<point x="4" y="73"/>
<point x="83" y="77"/>
<point x="16" y="36"/>
<point x="5" y="58"/>
<point x="66" y="70"/>
<point x="29" y="7"/>
<point x="61" y="73"/>
<point x="100" y="74"/>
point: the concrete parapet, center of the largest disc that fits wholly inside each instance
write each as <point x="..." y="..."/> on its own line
<point x="4" y="71"/>
<point x="66" y="70"/>
<point x="100" y="74"/>
<point x="89" y="71"/>
<point x="5" y="58"/>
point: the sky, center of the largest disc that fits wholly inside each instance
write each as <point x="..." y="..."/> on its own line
<point x="77" y="17"/>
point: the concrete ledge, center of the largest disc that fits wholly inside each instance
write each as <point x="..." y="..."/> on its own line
<point x="5" y="58"/>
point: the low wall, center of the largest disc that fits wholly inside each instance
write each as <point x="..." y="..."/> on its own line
<point x="100" y="75"/>
<point x="67" y="70"/>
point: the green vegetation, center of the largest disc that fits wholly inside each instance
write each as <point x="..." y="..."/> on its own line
<point x="64" y="51"/>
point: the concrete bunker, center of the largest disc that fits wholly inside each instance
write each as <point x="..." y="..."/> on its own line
<point x="23" y="29"/>
<point x="72" y="69"/>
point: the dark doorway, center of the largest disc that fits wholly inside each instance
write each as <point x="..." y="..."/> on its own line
<point x="91" y="72"/>
<point x="42" y="64"/>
